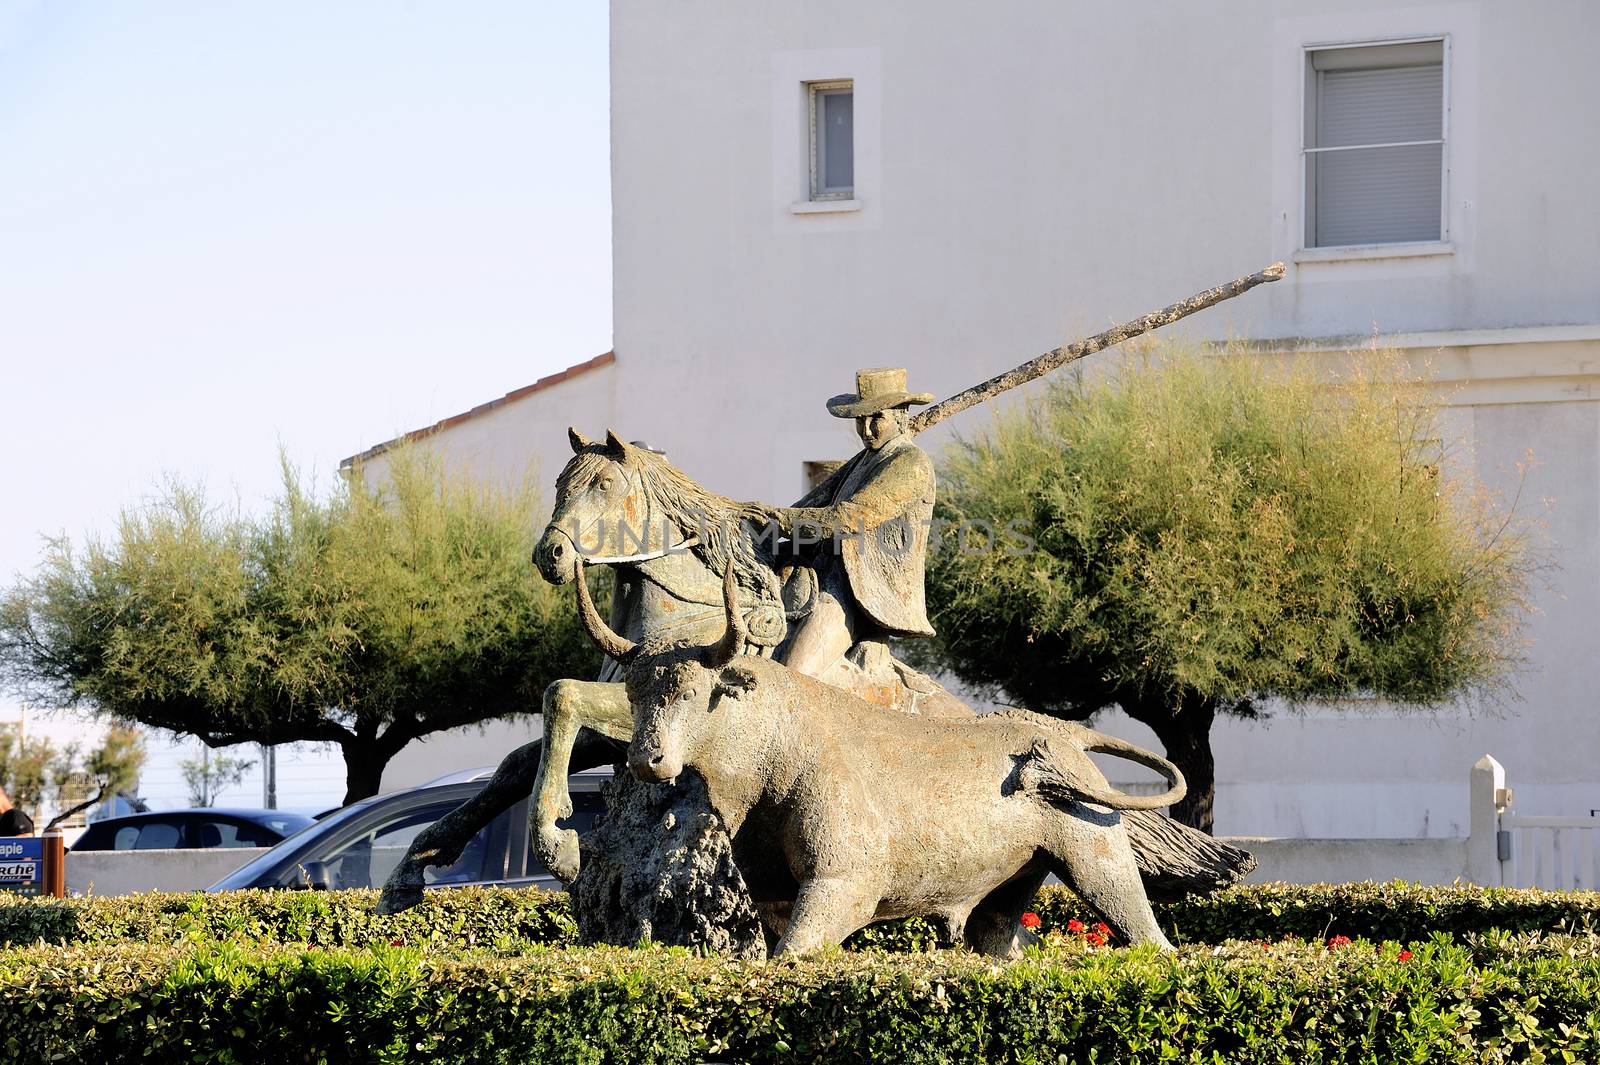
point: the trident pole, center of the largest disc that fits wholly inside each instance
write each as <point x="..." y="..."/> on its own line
<point x="1052" y="360"/>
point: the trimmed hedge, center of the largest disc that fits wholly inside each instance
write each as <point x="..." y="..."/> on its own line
<point x="1493" y="999"/>
<point x="519" y="918"/>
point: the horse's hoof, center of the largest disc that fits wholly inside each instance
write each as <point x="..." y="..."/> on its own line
<point x="399" y="897"/>
<point x="558" y="849"/>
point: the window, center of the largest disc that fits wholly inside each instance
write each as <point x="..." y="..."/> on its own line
<point x="368" y="859"/>
<point x="819" y="470"/>
<point x="833" y="145"/>
<point x="1374" y="140"/>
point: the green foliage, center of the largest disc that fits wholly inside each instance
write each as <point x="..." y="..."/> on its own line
<point x="366" y="617"/>
<point x="1500" y="999"/>
<point x="522" y="918"/>
<point x="1211" y="530"/>
<point x="492" y="975"/>
<point x="1223" y="527"/>
<point x="35" y="773"/>
<point x="207" y="777"/>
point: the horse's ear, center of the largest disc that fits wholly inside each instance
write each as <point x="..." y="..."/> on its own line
<point x="614" y="444"/>
<point x="576" y="439"/>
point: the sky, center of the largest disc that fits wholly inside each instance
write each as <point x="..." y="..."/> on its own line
<point x="227" y="228"/>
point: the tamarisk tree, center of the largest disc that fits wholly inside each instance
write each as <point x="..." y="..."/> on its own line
<point x="1212" y="531"/>
<point x="365" y="617"/>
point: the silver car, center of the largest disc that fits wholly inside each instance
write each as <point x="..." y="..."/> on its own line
<point x="359" y="845"/>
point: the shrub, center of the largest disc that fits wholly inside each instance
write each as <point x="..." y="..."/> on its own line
<point x="487" y="916"/>
<point x="1493" y="999"/>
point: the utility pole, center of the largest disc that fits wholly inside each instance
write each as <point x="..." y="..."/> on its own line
<point x="269" y="776"/>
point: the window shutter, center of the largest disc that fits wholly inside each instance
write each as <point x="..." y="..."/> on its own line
<point x="839" y="140"/>
<point x="1368" y="193"/>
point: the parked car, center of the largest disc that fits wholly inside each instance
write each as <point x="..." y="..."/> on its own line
<point x="360" y="845"/>
<point x="179" y="829"/>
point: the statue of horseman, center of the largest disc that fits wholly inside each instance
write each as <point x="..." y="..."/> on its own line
<point x="864" y="532"/>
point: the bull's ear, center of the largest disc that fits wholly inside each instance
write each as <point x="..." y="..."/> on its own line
<point x="576" y="439"/>
<point x="735" y="681"/>
<point x="614" y="444"/>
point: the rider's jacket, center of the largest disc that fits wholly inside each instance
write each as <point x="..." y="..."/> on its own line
<point x="878" y="509"/>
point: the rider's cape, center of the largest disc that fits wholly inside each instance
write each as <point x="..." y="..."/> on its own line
<point x="879" y="506"/>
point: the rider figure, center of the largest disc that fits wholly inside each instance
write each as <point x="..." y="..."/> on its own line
<point x="869" y="524"/>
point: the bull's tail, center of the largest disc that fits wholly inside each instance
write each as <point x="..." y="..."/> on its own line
<point x="1046" y="774"/>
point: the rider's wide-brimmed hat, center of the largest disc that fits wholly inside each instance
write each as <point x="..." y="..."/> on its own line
<point x="876" y="390"/>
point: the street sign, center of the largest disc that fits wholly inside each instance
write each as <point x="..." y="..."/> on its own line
<point x="22" y="865"/>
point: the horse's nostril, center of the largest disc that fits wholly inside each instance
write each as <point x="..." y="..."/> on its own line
<point x="658" y="759"/>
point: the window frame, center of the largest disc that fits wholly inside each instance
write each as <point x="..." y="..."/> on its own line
<point x="816" y="153"/>
<point x="1308" y="250"/>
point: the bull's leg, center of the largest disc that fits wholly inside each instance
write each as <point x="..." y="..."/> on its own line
<point x="569" y="706"/>
<point x="995" y="926"/>
<point x="826" y="911"/>
<point x="1095" y="859"/>
<point x="440" y="844"/>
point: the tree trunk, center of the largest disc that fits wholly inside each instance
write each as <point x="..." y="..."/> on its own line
<point x="363" y="771"/>
<point x="1186" y="736"/>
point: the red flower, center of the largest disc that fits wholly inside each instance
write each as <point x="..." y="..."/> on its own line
<point x="1095" y="939"/>
<point x="1338" y="941"/>
<point x="1404" y="955"/>
<point x="1075" y="926"/>
<point x="1102" y="928"/>
<point x="397" y="942"/>
<point x="1030" y="920"/>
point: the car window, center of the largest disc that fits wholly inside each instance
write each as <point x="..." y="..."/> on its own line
<point x="125" y="838"/>
<point x="207" y="833"/>
<point x="367" y="860"/>
<point x="156" y="836"/>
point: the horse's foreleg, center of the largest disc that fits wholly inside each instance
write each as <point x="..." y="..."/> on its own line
<point x="569" y="706"/>
<point x="441" y="843"/>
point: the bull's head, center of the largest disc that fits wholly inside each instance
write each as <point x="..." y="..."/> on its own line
<point x="673" y="688"/>
<point x="599" y="502"/>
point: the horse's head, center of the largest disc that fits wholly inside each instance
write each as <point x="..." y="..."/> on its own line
<point x="601" y="508"/>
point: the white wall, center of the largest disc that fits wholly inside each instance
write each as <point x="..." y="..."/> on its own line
<point x="1033" y="172"/>
<point x="129" y="872"/>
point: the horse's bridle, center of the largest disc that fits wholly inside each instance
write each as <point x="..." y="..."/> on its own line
<point x="576" y="538"/>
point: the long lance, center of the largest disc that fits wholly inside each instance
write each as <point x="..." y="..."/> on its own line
<point x="1051" y="360"/>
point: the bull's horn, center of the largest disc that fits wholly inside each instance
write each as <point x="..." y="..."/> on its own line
<point x="609" y="642"/>
<point x="732" y="642"/>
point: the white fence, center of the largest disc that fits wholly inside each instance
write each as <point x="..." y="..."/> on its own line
<point x="1503" y="849"/>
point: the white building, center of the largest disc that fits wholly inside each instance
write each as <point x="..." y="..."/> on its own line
<point x="800" y="190"/>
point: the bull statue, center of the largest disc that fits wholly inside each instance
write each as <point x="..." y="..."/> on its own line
<point x="857" y="813"/>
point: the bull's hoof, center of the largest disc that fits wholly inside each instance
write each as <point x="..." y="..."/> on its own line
<point x="401" y="892"/>
<point x="558" y="850"/>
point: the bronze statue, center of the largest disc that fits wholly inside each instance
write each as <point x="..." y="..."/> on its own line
<point x="843" y="813"/>
<point x="826" y="613"/>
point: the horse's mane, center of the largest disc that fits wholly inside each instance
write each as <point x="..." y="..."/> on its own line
<point x="717" y="520"/>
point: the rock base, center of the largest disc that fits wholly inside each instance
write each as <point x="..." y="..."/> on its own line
<point x="659" y="866"/>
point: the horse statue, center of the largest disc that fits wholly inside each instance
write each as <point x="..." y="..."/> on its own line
<point x="670" y="542"/>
